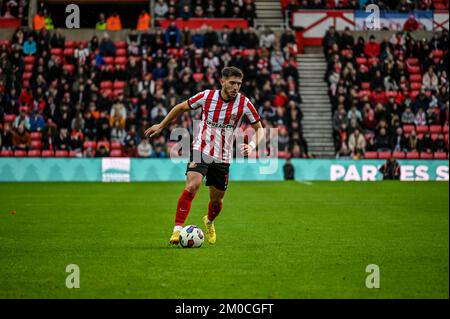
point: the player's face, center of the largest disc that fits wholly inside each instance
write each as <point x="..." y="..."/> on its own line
<point x="231" y="86"/>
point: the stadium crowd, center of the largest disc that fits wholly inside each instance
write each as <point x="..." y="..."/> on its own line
<point x="388" y="96"/>
<point x="96" y="98"/>
<point x="401" y="6"/>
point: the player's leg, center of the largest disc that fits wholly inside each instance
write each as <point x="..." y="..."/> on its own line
<point x="214" y="207"/>
<point x="217" y="180"/>
<point x="193" y="183"/>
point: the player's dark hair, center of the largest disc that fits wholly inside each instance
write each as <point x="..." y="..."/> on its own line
<point x="231" y="71"/>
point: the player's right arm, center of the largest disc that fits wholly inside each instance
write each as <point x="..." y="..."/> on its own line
<point x="176" y="111"/>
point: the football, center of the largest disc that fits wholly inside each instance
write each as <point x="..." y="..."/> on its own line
<point x="191" y="237"/>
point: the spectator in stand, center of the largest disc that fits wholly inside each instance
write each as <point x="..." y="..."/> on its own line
<point x="186" y="13"/>
<point x="382" y="141"/>
<point x="102" y="151"/>
<point x="411" y="24"/>
<point x="420" y="118"/>
<point x="267" y="39"/>
<point x="331" y="37"/>
<point x="372" y="48"/>
<point x="37" y="123"/>
<point x="22" y="119"/>
<point x="426" y="143"/>
<point x="62" y="140"/>
<point x="107" y="47"/>
<point x="356" y="142"/>
<point x="130" y="142"/>
<point x="30" y="46"/>
<point x="172" y="36"/>
<point x="430" y="80"/>
<point x="399" y="142"/>
<point x="101" y="23"/>
<point x="6" y="138"/>
<point x="248" y="13"/>
<point x="21" y="139"/>
<point x="39" y="21"/>
<point x="439" y="144"/>
<point x="161" y="9"/>
<point x="144" y="149"/>
<point x="144" y="20"/>
<point x="113" y="23"/>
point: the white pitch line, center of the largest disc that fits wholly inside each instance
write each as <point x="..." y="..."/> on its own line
<point x="305" y="182"/>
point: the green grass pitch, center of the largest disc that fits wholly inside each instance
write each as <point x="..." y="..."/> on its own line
<point x="275" y="240"/>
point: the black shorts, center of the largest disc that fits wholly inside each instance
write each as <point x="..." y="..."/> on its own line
<point x="216" y="173"/>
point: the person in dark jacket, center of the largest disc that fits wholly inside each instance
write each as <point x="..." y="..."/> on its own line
<point x="288" y="170"/>
<point x="390" y="169"/>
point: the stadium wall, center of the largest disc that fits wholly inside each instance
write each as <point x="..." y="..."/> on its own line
<point x="141" y="170"/>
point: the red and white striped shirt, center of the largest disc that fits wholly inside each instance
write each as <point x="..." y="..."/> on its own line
<point x="220" y="118"/>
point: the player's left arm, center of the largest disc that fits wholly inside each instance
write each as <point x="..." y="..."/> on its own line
<point x="256" y="139"/>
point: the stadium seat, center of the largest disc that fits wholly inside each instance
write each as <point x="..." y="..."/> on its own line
<point x="116" y="153"/>
<point x="134" y="100"/>
<point x="69" y="52"/>
<point x="27" y="75"/>
<point x="412" y="155"/>
<point x="70" y="44"/>
<point x="426" y="155"/>
<point x="69" y="67"/>
<point x="116" y="92"/>
<point x="420" y="129"/>
<point x="119" y="85"/>
<point x="34" y="153"/>
<point x="365" y="85"/>
<point x="371" y="155"/>
<point x="413" y="61"/>
<point x="121" y="44"/>
<point x="48" y="153"/>
<point x="29" y="68"/>
<point x="414" y="69"/>
<point x="373" y="59"/>
<point x="415" y="86"/>
<point x="363" y="93"/>
<point x="408" y="128"/>
<point x="5" y="42"/>
<point x="29" y="59"/>
<point x="91" y="144"/>
<point x="438" y="54"/>
<point x="248" y="52"/>
<point x="445" y="129"/>
<point x="384" y="155"/>
<point x="361" y="61"/>
<point x="20" y="153"/>
<point x="420" y="136"/>
<point x="6" y="153"/>
<point x="25" y="84"/>
<point x="434" y="136"/>
<point x="198" y="77"/>
<point x="121" y="60"/>
<point x="56" y="51"/>
<point x="108" y="60"/>
<point x="413" y="94"/>
<point x="116" y="145"/>
<point x="106" y="85"/>
<point x="121" y="53"/>
<point x="10" y="118"/>
<point x="36" y="144"/>
<point x="435" y="129"/>
<point x="36" y="136"/>
<point x="399" y="155"/>
<point x="61" y="153"/>
<point x="440" y="155"/>
<point x="73" y="153"/>
<point x="415" y="78"/>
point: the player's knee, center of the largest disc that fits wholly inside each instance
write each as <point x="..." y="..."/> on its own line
<point x="193" y="187"/>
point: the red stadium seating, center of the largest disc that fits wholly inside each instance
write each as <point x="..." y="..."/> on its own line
<point x="119" y="85"/>
<point x="438" y="53"/>
<point x="69" y="52"/>
<point x="361" y="61"/>
<point x="440" y="156"/>
<point x="69" y="67"/>
<point x="73" y="154"/>
<point x="413" y="61"/>
<point x="415" y="78"/>
<point x="416" y="86"/>
<point x="121" y="60"/>
<point x="445" y="129"/>
<point x="36" y="144"/>
<point x="10" y="118"/>
<point x="413" y="69"/>
<point x="412" y="155"/>
<point x="106" y="85"/>
<point x="27" y="75"/>
<point x="36" y="136"/>
<point x="20" y="153"/>
<point x="399" y="155"/>
<point x="121" y="53"/>
<point x="434" y="136"/>
<point x="34" y="153"/>
<point x="384" y="155"/>
<point x="371" y="155"/>
<point x="116" y="153"/>
<point x="61" y="153"/>
<point x="413" y="94"/>
<point x="421" y="129"/>
<point x="70" y="44"/>
<point x="365" y="85"/>
<point x="108" y="60"/>
<point x="121" y="45"/>
<point x="425" y="155"/>
<point x="29" y="59"/>
<point x="56" y="51"/>
<point x="116" y="145"/>
<point x="29" y="68"/>
<point x="91" y="144"/>
<point x="6" y="153"/>
<point x="48" y="153"/>
<point x="407" y="128"/>
<point x="435" y="129"/>
<point x="198" y="77"/>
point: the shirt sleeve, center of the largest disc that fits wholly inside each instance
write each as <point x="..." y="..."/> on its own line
<point x="250" y="113"/>
<point x="197" y="100"/>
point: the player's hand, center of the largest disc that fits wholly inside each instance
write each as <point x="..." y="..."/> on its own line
<point x="153" y="130"/>
<point x="246" y="149"/>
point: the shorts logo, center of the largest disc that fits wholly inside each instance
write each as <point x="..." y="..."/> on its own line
<point x="192" y="164"/>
